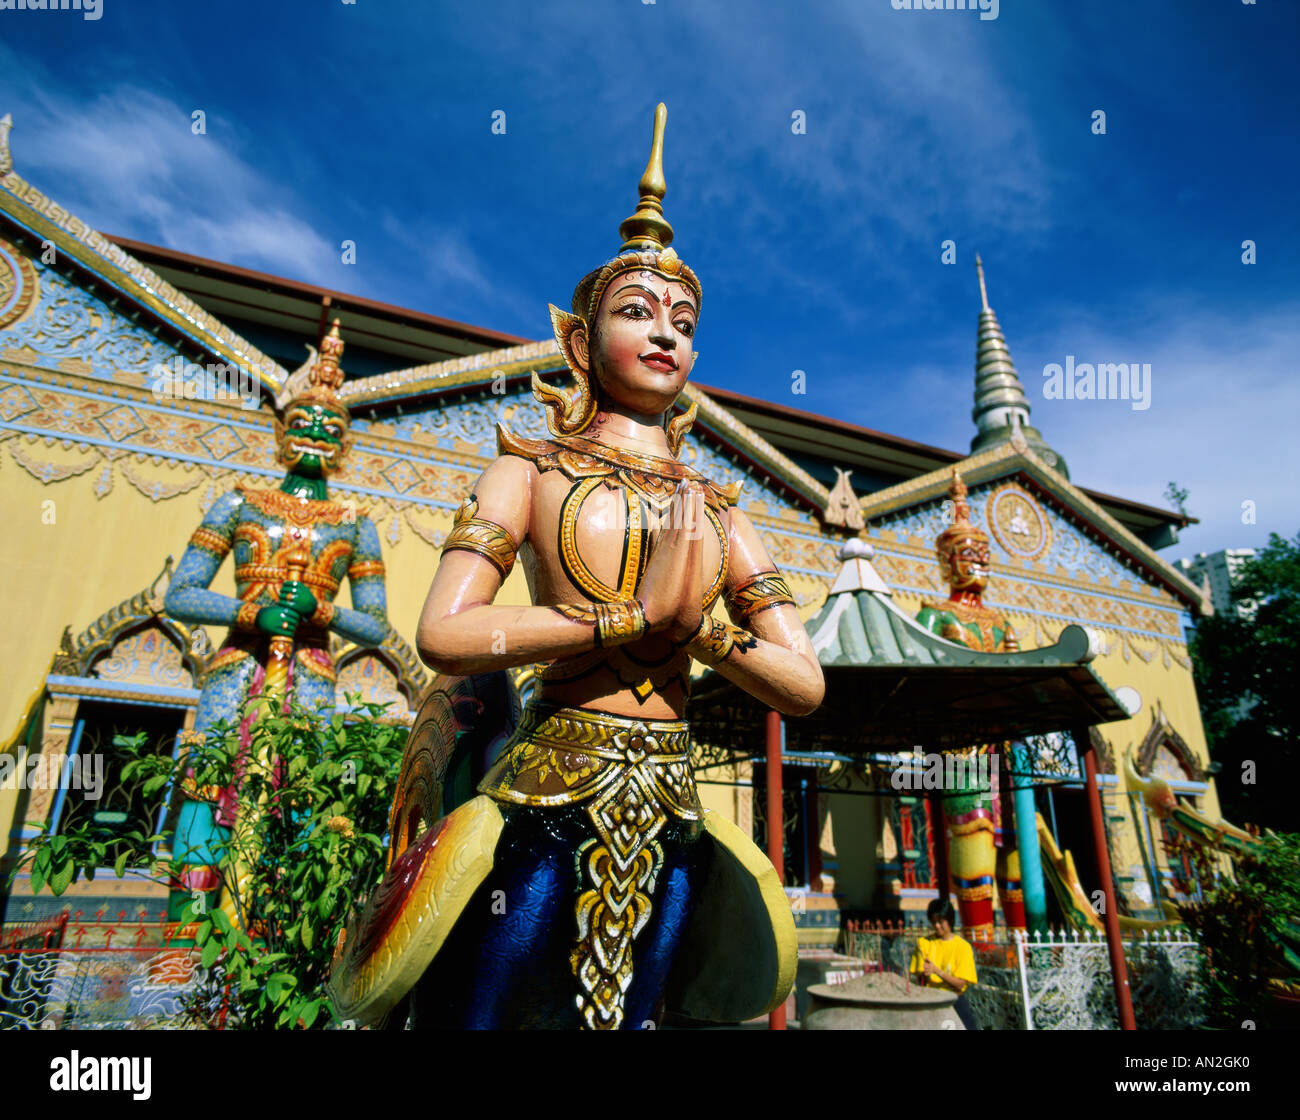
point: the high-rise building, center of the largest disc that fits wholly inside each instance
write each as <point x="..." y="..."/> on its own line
<point x="1221" y="569"/>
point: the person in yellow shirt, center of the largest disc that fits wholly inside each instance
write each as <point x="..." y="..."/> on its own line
<point x="946" y="960"/>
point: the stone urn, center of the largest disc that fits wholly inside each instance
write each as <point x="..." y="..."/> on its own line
<point x="880" y="1001"/>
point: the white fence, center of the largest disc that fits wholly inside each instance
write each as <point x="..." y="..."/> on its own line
<point x="1063" y="982"/>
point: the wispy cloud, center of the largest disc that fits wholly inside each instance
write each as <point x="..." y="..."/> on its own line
<point x="127" y="162"/>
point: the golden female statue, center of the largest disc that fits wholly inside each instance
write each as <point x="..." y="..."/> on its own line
<point x="585" y="885"/>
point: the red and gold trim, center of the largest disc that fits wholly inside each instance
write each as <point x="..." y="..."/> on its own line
<point x="275" y="573"/>
<point x="323" y="615"/>
<point x="209" y="541"/>
<point x="366" y="569"/>
<point x="246" y="616"/>
<point x="302" y="512"/>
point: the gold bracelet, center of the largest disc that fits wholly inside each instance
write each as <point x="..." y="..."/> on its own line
<point x="619" y="622"/>
<point x="760" y="591"/>
<point x="246" y="616"/>
<point x="713" y="642"/>
<point x="323" y="615"/>
<point x="615" y="623"/>
<point x="482" y="537"/>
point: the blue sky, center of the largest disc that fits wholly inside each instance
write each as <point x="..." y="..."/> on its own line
<point x="818" y="252"/>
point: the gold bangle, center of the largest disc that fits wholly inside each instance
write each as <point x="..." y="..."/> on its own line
<point x="619" y="622"/>
<point x="713" y="642"/>
<point x="246" y="616"/>
<point x="615" y="623"/>
<point x="323" y="615"/>
<point x="766" y="589"/>
<point x="209" y="541"/>
<point x="482" y="537"/>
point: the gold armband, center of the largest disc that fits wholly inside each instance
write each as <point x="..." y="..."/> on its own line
<point x="713" y="642"/>
<point x="616" y="623"/>
<point x="766" y="589"/>
<point x="323" y="615"/>
<point x="209" y="541"/>
<point x="246" y="616"/>
<point x="486" y="538"/>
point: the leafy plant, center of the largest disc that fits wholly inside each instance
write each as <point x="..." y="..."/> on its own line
<point x="313" y="798"/>
<point x="1249" y="929"/>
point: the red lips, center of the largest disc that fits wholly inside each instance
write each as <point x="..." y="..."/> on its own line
<point x="660" y="360"/>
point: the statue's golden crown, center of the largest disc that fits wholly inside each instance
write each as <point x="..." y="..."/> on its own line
<point x="646" y="238"/>
<point x="646" y="235"/>
<point x="961" y="528"/>
<point x="319" y="378"/>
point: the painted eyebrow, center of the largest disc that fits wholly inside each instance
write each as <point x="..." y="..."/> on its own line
<point x="655" y="296"/>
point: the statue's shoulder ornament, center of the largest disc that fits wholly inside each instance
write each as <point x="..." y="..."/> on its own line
<point x="653" y="477"/>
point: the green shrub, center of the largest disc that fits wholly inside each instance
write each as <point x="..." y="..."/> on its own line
<point x="320" y="802"/>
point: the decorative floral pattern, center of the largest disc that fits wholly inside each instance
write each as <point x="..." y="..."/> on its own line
<point x="69" y="322"/>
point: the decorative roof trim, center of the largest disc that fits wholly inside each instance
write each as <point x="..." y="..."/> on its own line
<point x="1000" y="461"/>
<point x="470" y="371"/>
<point x="28" y="209"/>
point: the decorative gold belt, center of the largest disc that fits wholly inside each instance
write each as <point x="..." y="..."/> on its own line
<point x="565" y="756"/>
<point x="633" y="774"/>
<point x="274" y="573"/>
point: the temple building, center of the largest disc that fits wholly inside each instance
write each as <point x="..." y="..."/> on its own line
<point x="106" y="467"/>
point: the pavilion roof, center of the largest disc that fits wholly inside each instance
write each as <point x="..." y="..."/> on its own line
<point x="892" y="685"/>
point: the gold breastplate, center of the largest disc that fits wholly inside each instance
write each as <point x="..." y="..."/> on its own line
<point x="646" y="485"/>
<point x="641" y="510"/>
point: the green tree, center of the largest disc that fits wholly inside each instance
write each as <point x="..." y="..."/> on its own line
<point x="1246" y="673"/>
<point x="1177" y="496"/>
<point x="320" y="800"/>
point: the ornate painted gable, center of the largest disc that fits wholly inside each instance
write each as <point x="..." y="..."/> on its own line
<point x="1058" y="558"/>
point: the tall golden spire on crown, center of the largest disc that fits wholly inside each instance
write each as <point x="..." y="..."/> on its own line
<point x="648" y="228"/>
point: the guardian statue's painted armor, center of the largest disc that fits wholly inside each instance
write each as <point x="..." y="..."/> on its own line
<point x="292" y="549"/>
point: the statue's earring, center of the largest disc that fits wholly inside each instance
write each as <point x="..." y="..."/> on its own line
<point x="568" y="411"/>
<point x="678" y="426"/>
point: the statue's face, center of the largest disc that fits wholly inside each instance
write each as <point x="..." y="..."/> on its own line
<point x="968" y="565"/>
<point x="313" y="439"/>
<point x="641" y="353"/>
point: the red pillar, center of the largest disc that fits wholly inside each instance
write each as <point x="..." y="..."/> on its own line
<point x="939" y="835"/>
<point x="1118" y="968"/>
<point x="775" y="825"/>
